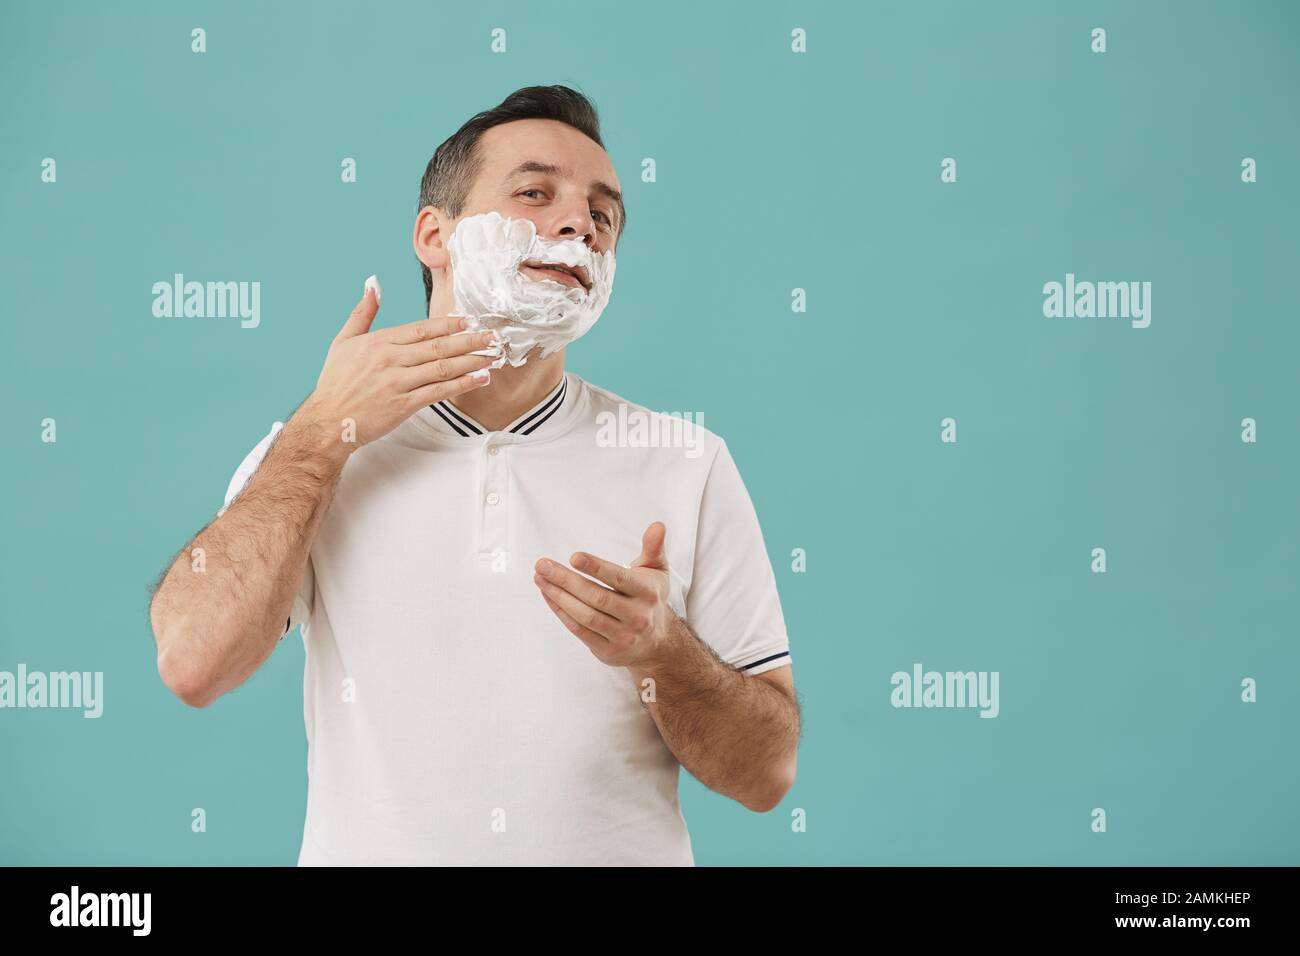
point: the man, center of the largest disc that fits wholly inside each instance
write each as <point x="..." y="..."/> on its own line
<point x="486" y="681"/>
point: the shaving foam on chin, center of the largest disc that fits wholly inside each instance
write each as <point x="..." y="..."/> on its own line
<point x="486" y="251"/>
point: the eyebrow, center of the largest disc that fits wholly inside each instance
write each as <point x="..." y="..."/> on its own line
<point x="549" y="169"/>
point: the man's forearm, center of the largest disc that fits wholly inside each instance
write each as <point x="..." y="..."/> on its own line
<point x="738" y="735"/>
<point x="217" y="620"/>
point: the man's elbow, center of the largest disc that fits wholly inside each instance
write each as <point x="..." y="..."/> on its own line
<point x="769" y="796"/>
<point x="182" y="679"/>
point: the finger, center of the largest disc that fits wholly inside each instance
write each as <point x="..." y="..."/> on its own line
<point x="429" y="328"/>
<point x="440" y="391"/>
<point x="594" y="641"/>
<point x="444" y="346"/>
<point x="621" y="579"/>
<point x="596" y="596"/>
<point x="363" y="316"/>
<point x="586" y="615"/>
<point x="442" y="370"/>
<point x="652" y="548"/>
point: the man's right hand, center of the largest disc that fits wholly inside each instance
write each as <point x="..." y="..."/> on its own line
<point x="378" y="379"/>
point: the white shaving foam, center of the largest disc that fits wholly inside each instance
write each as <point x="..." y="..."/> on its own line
<point x="487" y="286"/>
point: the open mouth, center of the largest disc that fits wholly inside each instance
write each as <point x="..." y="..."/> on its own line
<point x="573" y="276"/>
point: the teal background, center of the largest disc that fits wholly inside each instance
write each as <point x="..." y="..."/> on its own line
<point x="775" y="171"/>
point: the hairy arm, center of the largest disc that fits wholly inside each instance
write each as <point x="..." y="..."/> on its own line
<point x="215" y="626"/>
<point x="737" y="733"/>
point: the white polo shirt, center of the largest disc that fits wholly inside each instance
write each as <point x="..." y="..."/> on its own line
<point x="451" y="718"/>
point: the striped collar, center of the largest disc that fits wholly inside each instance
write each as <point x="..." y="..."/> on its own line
<point x="452" y="420"/>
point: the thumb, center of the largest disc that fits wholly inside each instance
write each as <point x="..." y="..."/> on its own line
<point x="363" y="316"/>
<point x="652" y="548"/>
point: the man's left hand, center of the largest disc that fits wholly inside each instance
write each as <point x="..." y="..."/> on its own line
<point x="624" y="624"/>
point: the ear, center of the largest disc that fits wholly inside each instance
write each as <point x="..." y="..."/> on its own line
<point x="432" y="229"/>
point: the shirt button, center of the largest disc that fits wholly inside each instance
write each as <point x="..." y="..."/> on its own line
<point x="494" y="499"/>
<point x="493" y="449"/>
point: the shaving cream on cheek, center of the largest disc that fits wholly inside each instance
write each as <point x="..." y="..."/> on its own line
<point x="486" y="251"/>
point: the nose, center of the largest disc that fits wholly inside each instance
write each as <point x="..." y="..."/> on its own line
<point x="574" y="222"/>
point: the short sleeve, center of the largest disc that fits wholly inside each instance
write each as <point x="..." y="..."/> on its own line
<point x="732" y="602"/>
<point x="300" y="613"/>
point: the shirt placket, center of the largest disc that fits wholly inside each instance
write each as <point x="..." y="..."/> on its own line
<point x="494" y="503"/>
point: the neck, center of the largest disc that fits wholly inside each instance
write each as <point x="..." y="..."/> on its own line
<point x="512" y="391"/>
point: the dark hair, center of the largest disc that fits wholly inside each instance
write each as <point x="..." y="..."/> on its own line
<point x="456" y="163"/>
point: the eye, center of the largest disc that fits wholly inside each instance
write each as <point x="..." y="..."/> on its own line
<point x="602" y="215"/>
<point x="527" y="191"/>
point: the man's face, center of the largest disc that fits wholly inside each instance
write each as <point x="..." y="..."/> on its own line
<point x="551" y="173"/>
